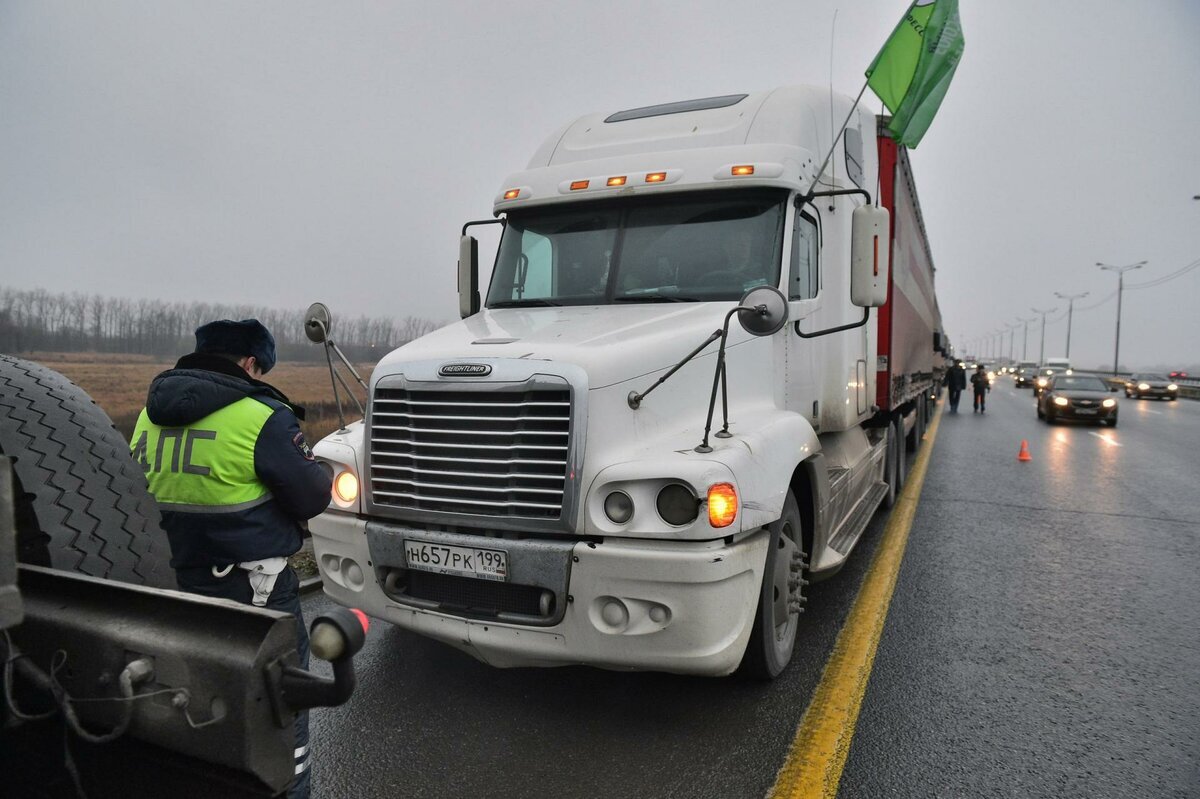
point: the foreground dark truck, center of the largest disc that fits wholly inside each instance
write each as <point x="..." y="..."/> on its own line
<point x="113" y="683"/>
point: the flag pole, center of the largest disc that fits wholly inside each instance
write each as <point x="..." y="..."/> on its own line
<point x="833" y="145"/>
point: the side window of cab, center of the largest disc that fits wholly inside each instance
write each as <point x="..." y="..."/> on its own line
<point x="804" y="275"/>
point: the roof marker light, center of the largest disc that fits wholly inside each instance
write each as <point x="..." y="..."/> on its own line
<point x="512" y="194"/>
<point x="656" y="177"/>
<point x="619" y="180"/>
<point x="578" y="185"/>
<point x="742" y="169"/>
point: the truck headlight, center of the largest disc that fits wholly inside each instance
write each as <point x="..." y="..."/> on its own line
<point x="345" y="489"/>
<point x="677" y="504"/>
<point x="618" y="507"/>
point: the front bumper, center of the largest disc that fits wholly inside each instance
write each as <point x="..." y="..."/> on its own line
<point x="1158" y="393"/>
<point x="1098" y="413"/>
<point x="683" y="607"/>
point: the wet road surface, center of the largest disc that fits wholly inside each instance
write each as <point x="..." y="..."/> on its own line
<point x="1044" y="640"/>
<point x="1044" y="637"/>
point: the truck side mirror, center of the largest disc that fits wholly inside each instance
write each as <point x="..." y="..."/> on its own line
<point x="763" y="311"/>
<point x="869" y="254"/>
<point x="468" y="276"/>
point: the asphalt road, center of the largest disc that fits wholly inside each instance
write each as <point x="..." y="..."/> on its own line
<point x="1044" y="640"/>
<point x="1044" y="636"/>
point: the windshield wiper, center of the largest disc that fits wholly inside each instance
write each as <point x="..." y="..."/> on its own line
<point x="525" y="303"/>
<point x="654" y="298"/>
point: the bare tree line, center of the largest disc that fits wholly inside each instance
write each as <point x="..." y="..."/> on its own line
<point x="42" y="321"/>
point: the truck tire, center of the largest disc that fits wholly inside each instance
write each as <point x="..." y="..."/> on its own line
<point x="780" y="600"/>
<point x="890" y="473"/>
<point x="81" y="500"/>
<point x="901" y="452"/>
<point x="918" y="428"/>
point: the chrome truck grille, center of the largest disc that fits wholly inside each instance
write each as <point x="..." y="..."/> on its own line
<point x="500" y="452"/>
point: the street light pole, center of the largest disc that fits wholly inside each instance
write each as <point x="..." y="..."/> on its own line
<point x="1042" y="351"/>
<point x="1025" y="337"/>
<point x="1070" y="298"/>
<point x="1120" y="270"/>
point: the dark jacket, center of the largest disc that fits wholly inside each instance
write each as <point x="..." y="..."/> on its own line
<point x="956" y="378"/>
<point x="980" y="381"/>
<point x="225" y="457"/>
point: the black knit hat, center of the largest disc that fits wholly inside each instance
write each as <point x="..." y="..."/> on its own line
<point x="247" y="337"/>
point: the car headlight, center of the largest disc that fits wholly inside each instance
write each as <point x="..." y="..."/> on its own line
<point x="1042" y="382"/>
<point x="1109" y="403"/>
<point x="1062" y="402"/>
<point x="1172" y="387"/>
<point x="1143" y="386"/>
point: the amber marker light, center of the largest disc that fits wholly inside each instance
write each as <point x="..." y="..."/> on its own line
<point x="656" y="177"/>
<point x="722" y="504"/>
<point x="619" y="180"/>
<point x="345" y="487"/>
<point x="578" y="185"/>
<point x="742" y="169"/>
<point x="512" y="194"/>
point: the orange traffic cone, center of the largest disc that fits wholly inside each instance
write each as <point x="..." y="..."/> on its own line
<point x="1024" y="455"/>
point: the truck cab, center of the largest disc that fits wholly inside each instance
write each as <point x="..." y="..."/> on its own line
<point x="545" y="483"/>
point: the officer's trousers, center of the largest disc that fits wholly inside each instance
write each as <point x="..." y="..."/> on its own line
<point x="284" y="597"/>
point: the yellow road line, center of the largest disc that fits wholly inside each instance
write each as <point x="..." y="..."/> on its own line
<point x="814" y="764"/>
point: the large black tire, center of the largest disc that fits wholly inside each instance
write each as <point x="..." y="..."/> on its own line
<point x="901" y="452"/>
<point x="81" y="500"/>
<point x="780" y="600"/>
<point x="918" y="429"/>
<point x="890" y="467"/>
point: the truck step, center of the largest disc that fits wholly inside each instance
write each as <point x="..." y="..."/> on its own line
<point x="857" y="520"/>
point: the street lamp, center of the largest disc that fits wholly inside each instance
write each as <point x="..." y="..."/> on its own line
<point x="1070" y="298"/>
<point x="1042" y="351"/>
<point x="1120" y="270"/>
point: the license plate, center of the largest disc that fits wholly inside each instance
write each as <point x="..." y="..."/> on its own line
<point x="1085" y="411"/>
<point x="485" y="564"/>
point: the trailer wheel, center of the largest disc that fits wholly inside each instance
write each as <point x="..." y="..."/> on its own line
<point x="918" y="428"/>
<point x="81" y="500"/>
<point x="890" y="474"/>
<point x="901" y="452"/>
<point x="781" y="599"/>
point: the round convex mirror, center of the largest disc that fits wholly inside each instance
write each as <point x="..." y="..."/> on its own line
<point x="317" y="322"/>
<point x="764" y="311"/>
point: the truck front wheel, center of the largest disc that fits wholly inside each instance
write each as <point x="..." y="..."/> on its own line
<point x="780" y="600"/>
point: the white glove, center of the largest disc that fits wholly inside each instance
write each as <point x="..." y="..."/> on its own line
<point x="263" y="574"/>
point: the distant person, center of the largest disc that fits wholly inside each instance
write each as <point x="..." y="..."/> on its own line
<point x="979" y="381"/>
<point x="956" y="383"/>
<point x="234" y="479"/>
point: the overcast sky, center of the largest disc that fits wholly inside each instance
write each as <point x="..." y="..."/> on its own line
<point x="284" y="152"/>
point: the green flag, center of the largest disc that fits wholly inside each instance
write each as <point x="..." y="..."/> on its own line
<point x="914" y="68"/>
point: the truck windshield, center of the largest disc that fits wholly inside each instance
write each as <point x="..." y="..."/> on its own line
<point x="683" y="248"/>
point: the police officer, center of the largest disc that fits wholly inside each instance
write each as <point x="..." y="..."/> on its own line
<point x="234" y="478"/>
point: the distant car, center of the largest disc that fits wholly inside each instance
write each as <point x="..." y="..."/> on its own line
<point x="1081" y="397"/>
<point x="1025" y="376"/>
<point x="1044" y="375"/>
<point x="1147" y="385"/>
<point x="1178" y="375"/>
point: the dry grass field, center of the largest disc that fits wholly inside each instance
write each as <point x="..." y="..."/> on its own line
<point x="118" y="384"/>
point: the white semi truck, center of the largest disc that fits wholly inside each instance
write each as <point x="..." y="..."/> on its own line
<point x="559" y="478"/>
